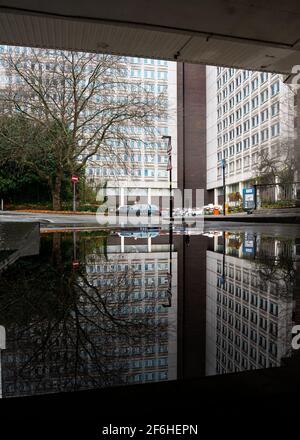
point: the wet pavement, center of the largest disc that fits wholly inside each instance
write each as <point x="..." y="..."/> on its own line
<point x="96" y="309"/>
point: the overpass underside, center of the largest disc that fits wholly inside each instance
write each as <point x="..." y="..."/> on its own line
<point x="252" y="35"/>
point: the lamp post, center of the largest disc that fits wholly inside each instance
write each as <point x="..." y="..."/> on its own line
<point x="74" y="180"/>
<point x="224" y="186"/>
<point x="169" y="168"/>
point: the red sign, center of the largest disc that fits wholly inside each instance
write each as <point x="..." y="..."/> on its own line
<point x="169" y="166"/>
<point x="74" y="178"/>
<point x="75" y="263"/>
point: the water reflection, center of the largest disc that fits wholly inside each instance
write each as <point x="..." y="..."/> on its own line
<point x="251" y="281"/>
<point x="95" y="309"/>
<point x="98" y="322"/>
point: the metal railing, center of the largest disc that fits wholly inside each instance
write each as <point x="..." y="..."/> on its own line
<point x="277" y="195"/>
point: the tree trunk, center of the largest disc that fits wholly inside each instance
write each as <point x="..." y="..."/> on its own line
<point x="56" y="196"/>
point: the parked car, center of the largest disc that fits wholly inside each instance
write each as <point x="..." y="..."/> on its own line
<point x="138" y="210"/>
<point x="140" y="233"/>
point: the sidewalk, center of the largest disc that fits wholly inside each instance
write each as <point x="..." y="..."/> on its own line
<point x="291" y="215"/>
<point x="284" y="215"/>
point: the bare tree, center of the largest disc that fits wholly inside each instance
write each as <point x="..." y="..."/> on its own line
<point x="81" y="104"/>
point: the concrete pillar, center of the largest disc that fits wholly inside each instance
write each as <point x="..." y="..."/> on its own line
<point x="149" y="244"/>
<point x="216" y="196"/>
<point x="122" y="196"/>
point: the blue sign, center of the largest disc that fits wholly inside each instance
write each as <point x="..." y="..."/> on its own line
<point x="249" y="244"/>
<point x="249" y="198"/>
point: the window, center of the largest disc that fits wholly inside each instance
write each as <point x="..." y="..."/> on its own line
<point x="254" y="84"/>
<point x="136" y="73"/>
<point x="245" y="74"/>
<point x="149" y="74"/>
<point x="238" y="97"/>
<point x="246" y="143"/>
<point x="231" y="150"/>
<point x="275" y="109"/>
<point x="254" y="158"/>
<point x="254" y="139"/>
<point x="254" y="102"/>
<point x="246" y="161"/>
<point x="255" y="120"/>
<point x="238" y="80"/>
<point x="275" y="130"/>
<point x="231" y="86"/>
<point x="246" y="108"/>
<point x="246" y="91"/>
<point x="162" y="74"/>
<point x="274" y="309"/>
<point x="239" y="147"/>
<point x="238" y="130"/>
<point x="264" y="135"/>
<point x="238" y="164"/>
<point x="274" y="88"/>
<point x="238" y="113"/>
<point x="264" y="96"/>
<point x="264" y="115"/>
<point x="263" y="77"/>
<point x="246" y="125"/>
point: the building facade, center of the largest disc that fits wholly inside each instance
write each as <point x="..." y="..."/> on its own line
<point x="147" y="176"/>
<point x="141" y="165"/>
<point x="247" y="112"/>
<point x="250" y="304"/>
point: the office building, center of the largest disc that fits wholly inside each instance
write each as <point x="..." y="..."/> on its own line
<point x="247" y="112"/>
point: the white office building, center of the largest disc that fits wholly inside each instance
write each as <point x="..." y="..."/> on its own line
<point x="246" y="112"/>
<point x="146" y="175"/>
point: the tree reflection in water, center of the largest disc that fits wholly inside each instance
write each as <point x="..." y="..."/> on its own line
<point x="68" y="329"/>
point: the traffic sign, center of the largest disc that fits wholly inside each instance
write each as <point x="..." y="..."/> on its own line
<point x="169" y="166"/>
<point x="74" y="179"/>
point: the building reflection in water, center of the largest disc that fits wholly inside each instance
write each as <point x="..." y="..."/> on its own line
<point x="250" y="302"/>
<point x="94" y="309"/>
<point x="102" y="321"/>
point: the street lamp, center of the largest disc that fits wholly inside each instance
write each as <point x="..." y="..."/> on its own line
<point x="223" y="163"/>
<point x="169" y="168"/>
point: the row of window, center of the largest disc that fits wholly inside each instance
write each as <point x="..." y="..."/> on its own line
<point x="146" y="172"/>
<point x="255" y="101"/>
<point x="149" y="74"/>
<point x="248" y="332"/>
<point x="261" y="117"/>
<point x="234" y="83"/>
<point x="146" y="158"/>
<point x="244" y="110"/>
<point x="255" y="138"/>
<point x="118" y="267"/>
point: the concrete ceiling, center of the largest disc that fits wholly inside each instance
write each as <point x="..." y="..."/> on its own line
<point x="254" y="34"/>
